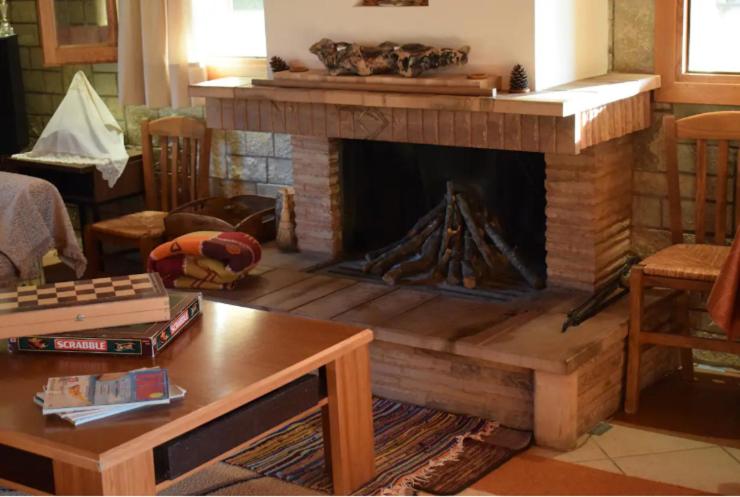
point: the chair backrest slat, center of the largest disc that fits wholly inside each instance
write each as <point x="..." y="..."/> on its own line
<point x="700" y="199"/>
<point x="163" y="174"/>
<point x="174" y="173"/>
<point x="705" y="129"/>
<point x="720" y="218"/>
<point x="184" y="161"/>
<point x="674" y="190"/>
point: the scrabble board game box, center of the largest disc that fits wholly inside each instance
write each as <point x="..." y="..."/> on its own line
<point x="83" y="305"/>
<point x="138" y="340"/>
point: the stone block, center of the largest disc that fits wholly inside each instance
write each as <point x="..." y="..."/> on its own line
<point x="22" y="11"/>
<point x="105" y="68"/>
<point x="283" y="146"/>
<point x="231" y="188"/>
<point x="280" y="171"/>
<point x="33" y="81"/>
<point x="247" y="168"/>
<point x="105" y="84"/>
<point x="28" y="34"/>
<point x="53" y="82"/>
<point x="116" y="109"/>
<point x="134" y="115"/>
<point x="647" y="211"/>
<point x="250" y="143"/>
<point x="37" y="57"/>
<point x="24" y="55"/>
<point x="39" y="103"/>
<point x="633" y="36"/>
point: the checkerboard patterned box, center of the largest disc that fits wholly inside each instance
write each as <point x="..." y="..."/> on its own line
<point x="83" y="305"/>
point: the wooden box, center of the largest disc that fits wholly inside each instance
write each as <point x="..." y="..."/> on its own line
<point x="250" y="214"/>
<point x="83" y="305"/>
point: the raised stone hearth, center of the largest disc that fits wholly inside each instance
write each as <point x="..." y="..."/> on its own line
<point x="508" y="361"/>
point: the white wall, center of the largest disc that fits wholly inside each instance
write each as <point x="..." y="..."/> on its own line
<point x="571" y="40"/>
<point x="557" y="41"/>
<point x="496" y="30"/>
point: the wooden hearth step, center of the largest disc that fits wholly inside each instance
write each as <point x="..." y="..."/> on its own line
<point x="454" y="242"/>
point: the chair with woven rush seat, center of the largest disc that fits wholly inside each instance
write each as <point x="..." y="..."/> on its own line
<point x="184" y="158"/>
<point x="686" y="267"/>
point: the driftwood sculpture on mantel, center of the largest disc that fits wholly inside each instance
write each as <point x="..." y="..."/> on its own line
<point x="411" y="60"/>
<point x="454" y="242"/>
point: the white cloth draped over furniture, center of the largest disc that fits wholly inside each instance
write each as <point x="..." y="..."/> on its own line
<point x="34" y="220"/>
<point x="82" y="131"/>
<point x="153" y="39"/>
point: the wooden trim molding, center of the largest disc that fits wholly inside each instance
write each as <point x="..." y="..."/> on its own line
<point x="88" y="53"/>
<point x="671" y="61"/>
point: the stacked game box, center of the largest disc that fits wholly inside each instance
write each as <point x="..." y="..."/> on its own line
<point x="144" y="339"/>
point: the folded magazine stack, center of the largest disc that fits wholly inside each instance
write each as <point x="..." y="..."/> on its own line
<point x="86" y="398"/>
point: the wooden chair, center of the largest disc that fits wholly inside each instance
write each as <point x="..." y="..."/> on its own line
<point x="184" y="158"/>
<point x="686" y="267"/>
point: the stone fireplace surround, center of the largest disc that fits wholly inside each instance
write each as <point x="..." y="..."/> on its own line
<point x="527" y="374"/>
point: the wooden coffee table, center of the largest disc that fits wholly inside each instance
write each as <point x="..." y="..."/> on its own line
<point x="231" y="359"/>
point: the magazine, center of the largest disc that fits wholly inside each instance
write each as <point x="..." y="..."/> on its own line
<point x="131" y="388"/>
<point x="78" y="418"/>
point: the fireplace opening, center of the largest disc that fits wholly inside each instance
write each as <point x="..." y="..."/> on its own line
<point x="391" y="188"/>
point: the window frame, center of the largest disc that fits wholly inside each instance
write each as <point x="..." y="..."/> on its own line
<point x="671" y="62"/>
<point x="55" y="54"/>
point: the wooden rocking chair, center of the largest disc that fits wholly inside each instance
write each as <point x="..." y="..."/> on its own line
<point x="685" y="267"/>
<point x="185" y="149"/>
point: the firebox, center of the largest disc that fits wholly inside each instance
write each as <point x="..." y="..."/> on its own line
<point x="391" y="189"/>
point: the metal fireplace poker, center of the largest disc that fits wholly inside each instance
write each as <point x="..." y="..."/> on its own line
<point x="616" y="287"/>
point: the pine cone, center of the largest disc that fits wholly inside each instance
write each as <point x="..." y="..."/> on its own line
<point x="519" y="81"/>
<point x="277" y="64"/>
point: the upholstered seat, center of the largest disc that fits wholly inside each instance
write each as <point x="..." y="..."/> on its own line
<point x="149" y="224"/>
<point x="695" y="262"/>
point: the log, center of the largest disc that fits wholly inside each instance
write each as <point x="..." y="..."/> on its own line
<point x="444" y="248"/>
<point x="476" y="232"/>
<point x="508" y="251"/>
<point x="422" y="223"/>
<point x="387" y="260"/>
<point x="469" y="269"/>
<point x="424" y="261"/>
<point x="454" y="271"/>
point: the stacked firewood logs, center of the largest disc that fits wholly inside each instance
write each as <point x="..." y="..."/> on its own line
<point x="454" y="242"/>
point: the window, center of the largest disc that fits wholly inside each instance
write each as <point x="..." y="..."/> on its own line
<point x="696" y="51"/>
<point x="228" y="28"/>
<point x="228" y="37"/>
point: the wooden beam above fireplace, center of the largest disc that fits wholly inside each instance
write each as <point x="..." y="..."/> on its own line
<point x="561" y="120"/>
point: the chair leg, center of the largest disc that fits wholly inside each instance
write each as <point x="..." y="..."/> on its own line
<point x="632" y="397"/>
<point x="92" y="253"/>
<point x="684" y="327"/>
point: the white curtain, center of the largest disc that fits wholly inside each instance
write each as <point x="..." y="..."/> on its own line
<point x="153" y="40"/>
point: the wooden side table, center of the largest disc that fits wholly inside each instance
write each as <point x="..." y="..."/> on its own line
<point x="82" y="184"/>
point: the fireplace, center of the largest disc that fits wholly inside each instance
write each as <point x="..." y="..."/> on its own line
<point x="387" y="188"/>
<point x="582" y="130"/>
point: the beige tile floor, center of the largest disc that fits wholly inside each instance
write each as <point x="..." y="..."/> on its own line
<point x="658" y="457"/>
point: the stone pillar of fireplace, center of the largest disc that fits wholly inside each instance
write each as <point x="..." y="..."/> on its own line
<point x="317" y="196"/>
<point x="589" y="202"/>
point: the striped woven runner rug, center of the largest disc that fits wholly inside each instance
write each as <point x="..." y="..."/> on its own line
<point x="416" y="448"/>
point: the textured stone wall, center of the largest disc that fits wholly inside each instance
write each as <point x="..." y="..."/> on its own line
<point x="241" y="162"/>
<point x="632" y="51"/>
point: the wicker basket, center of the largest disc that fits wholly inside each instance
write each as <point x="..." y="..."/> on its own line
<point x="251" y="214"/>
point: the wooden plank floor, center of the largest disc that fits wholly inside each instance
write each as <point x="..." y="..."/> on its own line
<point x="524" y="332"/>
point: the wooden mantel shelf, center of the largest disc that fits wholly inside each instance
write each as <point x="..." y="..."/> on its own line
<point x="564" y="119"/>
